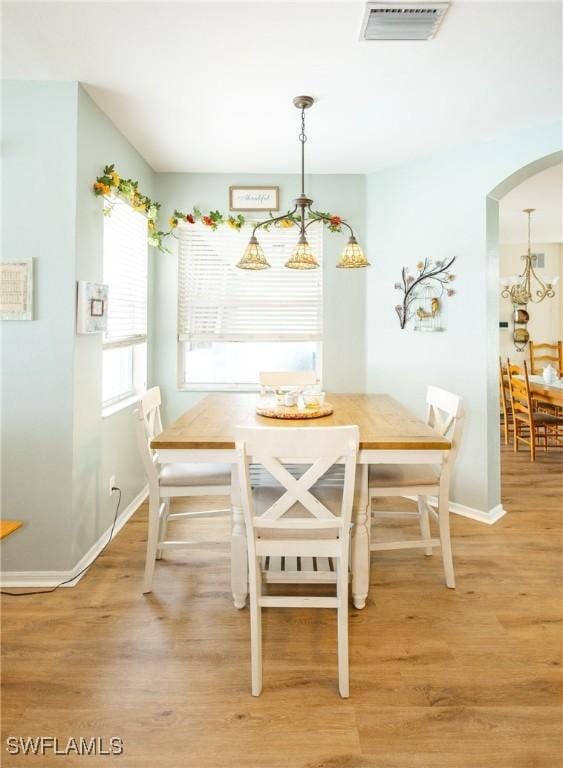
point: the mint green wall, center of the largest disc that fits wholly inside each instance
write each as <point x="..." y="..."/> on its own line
<point x="101" y="447"/>
<point x="57" y="451"/>
<point x="436" y="207"/>
<point x="38" y="221"/>
<point x="344" y="290"/>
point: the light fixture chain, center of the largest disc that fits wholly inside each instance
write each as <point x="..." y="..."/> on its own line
<point x="302" y="139"/>
<point x="302" y="135"/>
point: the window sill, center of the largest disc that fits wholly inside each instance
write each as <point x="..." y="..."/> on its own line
<point x="218" y="387"/>
<point x="114" y="408"/>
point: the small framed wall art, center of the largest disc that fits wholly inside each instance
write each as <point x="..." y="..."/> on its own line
<point x="91" y="307"/>
<point x="16" y="290"/>
<point x="254" y="198"/>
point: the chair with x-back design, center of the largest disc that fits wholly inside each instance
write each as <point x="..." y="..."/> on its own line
<point x="296" y="516"/>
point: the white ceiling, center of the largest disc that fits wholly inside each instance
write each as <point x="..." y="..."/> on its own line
<point x="208" y="86"/>
<point x="544" y="192"/>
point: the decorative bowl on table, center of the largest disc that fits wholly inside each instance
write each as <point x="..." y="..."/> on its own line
<point x="311" y="405"/>
<point x="288" y="398"/>
<point x="313" y="399"/>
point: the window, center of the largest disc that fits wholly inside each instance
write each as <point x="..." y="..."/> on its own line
<point x="125" y="271"/>
<point x="234" y="323"/>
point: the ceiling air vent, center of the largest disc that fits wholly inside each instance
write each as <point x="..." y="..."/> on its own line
<point x="402" y="21"/>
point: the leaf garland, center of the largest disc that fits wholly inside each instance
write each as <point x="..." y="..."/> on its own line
<point x="213" y="219"/>
<point x="333" y="222"/>
<point x="110" y="183"/>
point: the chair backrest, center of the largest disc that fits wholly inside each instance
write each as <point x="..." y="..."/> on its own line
<point x="288" y="378"/>
<point x="543" y="354"/>
<point x="445" y="415"/>
<point x="504" y="387"/>
<point x="318" y="448"/>
<point x="148" y="424"/>
<point x="522" y="407"/>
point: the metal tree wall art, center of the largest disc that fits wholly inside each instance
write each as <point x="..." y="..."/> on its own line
<point x="434" y="274"/>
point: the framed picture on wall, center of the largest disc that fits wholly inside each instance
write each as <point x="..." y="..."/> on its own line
<point x="91" y="307"/>
<point x="254" y="198"/>
<point x="16" y="290"/>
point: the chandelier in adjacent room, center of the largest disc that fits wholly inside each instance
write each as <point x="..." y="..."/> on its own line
<point x="528" y="287"/>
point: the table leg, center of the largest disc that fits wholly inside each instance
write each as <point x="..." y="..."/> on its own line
<point x="360" y="538"/>
<point x="239" y="557"/>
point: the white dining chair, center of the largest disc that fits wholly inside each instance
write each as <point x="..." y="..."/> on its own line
<point x="169" y="481"/>
<point x="288" y="378"/>
<point x="295" y="517"/>
<point x="445" y="415"/>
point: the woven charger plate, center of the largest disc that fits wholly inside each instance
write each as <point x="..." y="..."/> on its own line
<point x="285" y="412"/>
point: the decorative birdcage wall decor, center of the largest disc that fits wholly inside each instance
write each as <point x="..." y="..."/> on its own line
<point x="427" y="315"/>
<point x="423" y="294"/>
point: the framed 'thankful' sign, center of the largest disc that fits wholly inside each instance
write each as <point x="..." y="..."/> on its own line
<point x="254" y="198"/>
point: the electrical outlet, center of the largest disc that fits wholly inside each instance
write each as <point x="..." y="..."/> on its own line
<point x="111" y="484"/>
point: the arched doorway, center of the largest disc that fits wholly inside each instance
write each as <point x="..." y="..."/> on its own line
<point x="493" y="302"/>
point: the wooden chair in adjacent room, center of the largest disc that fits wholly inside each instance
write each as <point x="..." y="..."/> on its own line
<point x="445" y="415"/>
<point x="543" y="354"/>
<point x="505" y="404"/>
<point x="530" y="426"/>
<point x="293" y="517"/>
<point x="168" y="481"/>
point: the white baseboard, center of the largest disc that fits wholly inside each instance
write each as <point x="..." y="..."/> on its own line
<point x="13" y="579"/>
<point x="490" y="517"/>
<point x="480" y="515"/>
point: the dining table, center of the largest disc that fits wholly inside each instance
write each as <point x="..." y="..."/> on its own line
<point x="546" y="393"/>
<point x="389" y="434"/>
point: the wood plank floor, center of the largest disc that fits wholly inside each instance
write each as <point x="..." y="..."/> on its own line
<point x="461" y="679"/>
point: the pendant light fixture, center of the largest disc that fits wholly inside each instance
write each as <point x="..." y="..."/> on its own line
<point x="528" y="287"/>
<point x="302" y="257"/>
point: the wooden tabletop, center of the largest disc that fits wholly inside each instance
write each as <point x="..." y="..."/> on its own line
<point x="384" y="423"/>
<point x="549" y="393"/>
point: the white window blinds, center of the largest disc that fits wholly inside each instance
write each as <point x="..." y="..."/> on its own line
<point x="125" y="271"/>
<point x="218" y="302"/>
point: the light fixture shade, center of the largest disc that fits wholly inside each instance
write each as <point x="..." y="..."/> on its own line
<point x="352" y="256"/>
<point x="302" y="256"/>
<point x="253" y="256"/>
